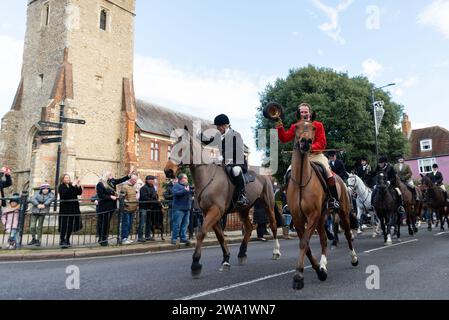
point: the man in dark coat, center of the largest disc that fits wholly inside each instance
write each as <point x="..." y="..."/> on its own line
<point x="232" y="154"/>
<point x="385" y="167"/>
<point x="107" y="205"/>
<point x="168" y="196"/>
<point x="5" y="182"/>
<point x="437" y="178"/>
<point x="338" y="166"/>
<point x="364" y="170"/>
<point x="147" y="208"/>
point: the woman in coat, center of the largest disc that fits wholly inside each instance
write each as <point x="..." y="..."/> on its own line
<point x="107" y="204"/>
<point x="69" y="209"/>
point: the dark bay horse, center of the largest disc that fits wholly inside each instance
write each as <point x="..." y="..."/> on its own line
<point x="433" y="201"/>
<point x="409" y="205"/>
<point x="307" y="201"/>
<point x="385" y="206"/>
<point x="214" y="192"/>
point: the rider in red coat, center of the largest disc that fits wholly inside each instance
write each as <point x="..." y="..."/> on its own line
<point x="318" y="147"/>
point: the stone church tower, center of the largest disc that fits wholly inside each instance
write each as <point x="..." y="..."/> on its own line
<point x="80" y="52"/>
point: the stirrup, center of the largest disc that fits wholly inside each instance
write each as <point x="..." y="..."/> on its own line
<point x="242" y="201"/>
<point x="333" y="204"/>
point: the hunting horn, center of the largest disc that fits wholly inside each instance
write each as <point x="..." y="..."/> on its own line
<point x="273" y="111"/>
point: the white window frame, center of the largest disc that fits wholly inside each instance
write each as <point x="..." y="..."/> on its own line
<point x="422" y="163"/>
<point x="425" y="142"/>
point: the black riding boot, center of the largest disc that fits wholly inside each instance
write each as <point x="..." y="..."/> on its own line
<point x="401" y="209"/>
<point x="242" y="200"/>
<point x="333" y="201"/>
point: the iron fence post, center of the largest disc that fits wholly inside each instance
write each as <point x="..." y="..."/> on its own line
<point x="22" y="214"/>
<point x="121" y="211"/>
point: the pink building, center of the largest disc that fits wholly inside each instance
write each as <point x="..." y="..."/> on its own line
<point x="428" y="146"/>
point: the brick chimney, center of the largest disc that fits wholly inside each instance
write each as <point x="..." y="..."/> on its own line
<point x="406" y="126"/>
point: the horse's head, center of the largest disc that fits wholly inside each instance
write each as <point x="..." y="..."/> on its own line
<point x="305" y="134"/>
<point x="352" y="183"/>
<point x="178" y="155"/>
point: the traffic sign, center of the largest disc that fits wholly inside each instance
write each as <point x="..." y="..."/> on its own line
<point x="51" y="140"/>
<point x="74" y="121"/>
<point x="50" y="124"/>
<point x="50" y="133"/>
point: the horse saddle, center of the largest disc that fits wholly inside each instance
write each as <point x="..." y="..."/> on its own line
<point x="320" y="171"/>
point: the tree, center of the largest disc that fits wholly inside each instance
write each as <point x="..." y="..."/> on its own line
<point x="344" y="106"/>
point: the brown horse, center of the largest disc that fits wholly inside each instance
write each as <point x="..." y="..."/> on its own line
<point x="433" y="199"/>
<point x="409" y="206"/>
<point x="214" y="192"/>
<point x="307" y="201"/>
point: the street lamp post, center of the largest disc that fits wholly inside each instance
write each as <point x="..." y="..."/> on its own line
<point x="373" y="92"/>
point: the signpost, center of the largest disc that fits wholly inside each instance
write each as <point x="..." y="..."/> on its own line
<point x="50" y="124"/>
<point x="51" y="140"/>
<point x="49" y="133"/>
<point x="57" y="138"/>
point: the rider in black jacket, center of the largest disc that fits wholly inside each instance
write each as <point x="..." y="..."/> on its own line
<point x="384" y="166"/>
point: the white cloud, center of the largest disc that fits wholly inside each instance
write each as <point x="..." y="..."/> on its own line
<point x="295" y="33"/>
<point x="10" y="66"/>
<point x="402" y="85"/>
<point x="320" y="52"/>
<point x="205" y="93"/>
<point x="333" y="28"/>
<point x="372" y="69"/>
<point x="411" y="82"/>
<point x="436" y="15"/>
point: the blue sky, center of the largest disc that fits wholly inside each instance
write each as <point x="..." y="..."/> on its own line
<point x="208" y="57"/>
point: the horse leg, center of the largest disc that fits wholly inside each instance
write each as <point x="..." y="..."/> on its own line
<point x="441" y="217"/>
<point x="321" y="269"/>
<point x="335" y="230"/>
<point x="409" y="223"/>
<point x="348" y="234"/>
<point x="273" y="226"/>
<point x="384" y="228"/>
<point x="211" y="219"/>
<point x="389" y="224"/>
<point x="248" y="230"/>
<point x="225" y="265"/>
<point x="298" y="279"/>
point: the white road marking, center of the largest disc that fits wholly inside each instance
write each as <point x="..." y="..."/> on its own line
<point x="441" y="233"/>
<point x="237" y="285"/>
<point x="394" y="245"/>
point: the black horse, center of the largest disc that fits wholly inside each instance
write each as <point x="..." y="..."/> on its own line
<point x="385" y="206"/>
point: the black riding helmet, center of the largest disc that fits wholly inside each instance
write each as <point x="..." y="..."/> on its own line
<point x="383" y="159"/>
<point x="221" y="120"/>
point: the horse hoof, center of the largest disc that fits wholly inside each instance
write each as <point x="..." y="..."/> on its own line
<point x="276" y="256"/>
<point x="298" y="283"/>
<point x="225" y="267"/>
<point x="355" y="264"/>
<point x="416" y="230"/>
<point x="410" y="232"/>
<point x="334" y="244"/>
<point x="243" y="261"/>
<point x="442" y="229"/>
<point x="322" y="274"/>
<point x="196" y="271"/>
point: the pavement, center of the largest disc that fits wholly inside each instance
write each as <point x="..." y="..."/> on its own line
<point x="27" y="254"/>
<point x="415" y="268"/>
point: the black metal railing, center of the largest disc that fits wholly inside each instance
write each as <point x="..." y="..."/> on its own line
<point x="23" y="228"/>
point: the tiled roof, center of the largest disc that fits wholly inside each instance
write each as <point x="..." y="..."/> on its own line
<point x="440" y="142"/>
<point x="160" y="120"/>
